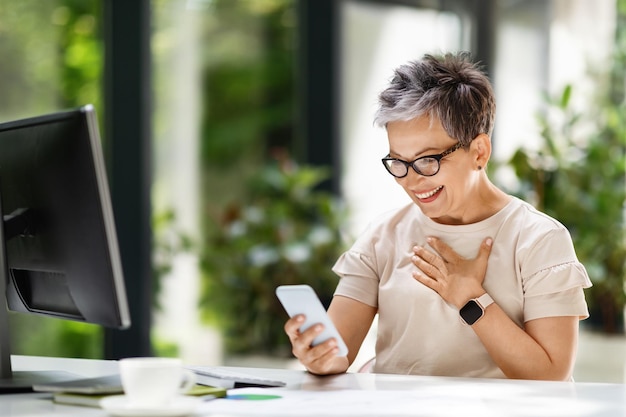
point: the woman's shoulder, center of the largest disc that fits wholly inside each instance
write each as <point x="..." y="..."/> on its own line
<point x="536" y="229"/>
<point x="532" y="217"/>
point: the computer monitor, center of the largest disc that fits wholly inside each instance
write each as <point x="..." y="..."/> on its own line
<point x="59" y="255"/>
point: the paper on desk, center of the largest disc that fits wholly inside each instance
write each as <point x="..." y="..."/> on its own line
<point x="341" y="402"/>
<point x="435" y="401"/>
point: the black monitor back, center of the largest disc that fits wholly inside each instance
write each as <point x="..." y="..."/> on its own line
<point x="59" y="254"/>
<point x="61" y="248"/>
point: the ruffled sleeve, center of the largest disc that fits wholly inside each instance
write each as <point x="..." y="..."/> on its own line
<point x="558" y="292"/>
<point x="553" y="279"/>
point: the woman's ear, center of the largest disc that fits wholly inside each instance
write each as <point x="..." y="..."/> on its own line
<point x="481" y="150"/>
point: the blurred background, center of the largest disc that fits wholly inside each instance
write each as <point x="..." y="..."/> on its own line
<point x="242" y="154"/>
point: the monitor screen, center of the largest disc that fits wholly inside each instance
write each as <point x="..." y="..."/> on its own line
<point x="58" y="247"/>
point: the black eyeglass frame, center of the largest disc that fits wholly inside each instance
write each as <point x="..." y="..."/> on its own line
<point x="437" y="157"/>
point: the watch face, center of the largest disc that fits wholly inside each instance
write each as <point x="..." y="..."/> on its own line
<point x="471" y="312"/>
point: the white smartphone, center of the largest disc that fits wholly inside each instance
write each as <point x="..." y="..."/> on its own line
<point x="301" y="299"/>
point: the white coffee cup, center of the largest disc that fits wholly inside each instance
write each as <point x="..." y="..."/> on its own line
<point x="154" y="382"/>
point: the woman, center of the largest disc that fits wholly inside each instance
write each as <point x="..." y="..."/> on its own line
<point x="466" y="280"/>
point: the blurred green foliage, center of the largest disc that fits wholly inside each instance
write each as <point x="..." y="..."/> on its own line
<point x="44" y="336"/>
<point x="248" y="80"/>
<point x="578" y="176"/>
<point x="581" y="183"/>
<point x="29" y="71"/>
<point x="81" y="52"/>
<point x="56" y="56"/>
<point x="248" y="113"/>
<point x="283" y="232"/>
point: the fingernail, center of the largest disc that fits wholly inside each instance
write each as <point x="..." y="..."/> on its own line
<point x="489" y="241"/>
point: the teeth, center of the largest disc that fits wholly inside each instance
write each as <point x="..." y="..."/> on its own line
<point x="430" y="193"/>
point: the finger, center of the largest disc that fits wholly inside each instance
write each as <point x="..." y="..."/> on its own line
<point x="427" y="267"/>
<point x="326" y="350"/>
<point x="426" y="280"/>
<point x="428" y="256"/>
<point x="319" y="361"/>
<point x="322" y="356"/>
<point x="293" y="325"/>
<point x="302" y="343"/>
<point x="446" y="252"/>
<point x="485" y="250"/>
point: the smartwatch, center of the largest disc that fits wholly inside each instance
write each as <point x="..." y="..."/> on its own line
<point x="475" y="309"/>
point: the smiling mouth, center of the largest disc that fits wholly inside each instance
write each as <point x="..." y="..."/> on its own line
<point x="429" y="194"/>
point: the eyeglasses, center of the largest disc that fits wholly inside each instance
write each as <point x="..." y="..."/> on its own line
<point x="425" y="165"/>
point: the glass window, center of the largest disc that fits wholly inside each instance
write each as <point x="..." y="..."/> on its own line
<point x="375" y="39"/>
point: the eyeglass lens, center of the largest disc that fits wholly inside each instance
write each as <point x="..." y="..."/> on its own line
<point x="425" y="166"/>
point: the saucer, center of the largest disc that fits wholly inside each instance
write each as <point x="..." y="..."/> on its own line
<point x="119" y="406"/>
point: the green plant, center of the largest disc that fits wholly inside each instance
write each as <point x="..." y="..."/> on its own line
<point x="284" y="232"/>
<point x="578" y="177"/>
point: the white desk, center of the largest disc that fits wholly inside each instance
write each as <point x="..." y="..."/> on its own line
<point x="428" y="396"/>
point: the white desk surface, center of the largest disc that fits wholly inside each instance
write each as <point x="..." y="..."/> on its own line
<point x="360" y="395"/>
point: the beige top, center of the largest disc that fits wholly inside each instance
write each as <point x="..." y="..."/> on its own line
<point x="532" y="272"/>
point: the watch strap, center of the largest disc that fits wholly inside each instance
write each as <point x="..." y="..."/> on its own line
<point x="485" y="300"/>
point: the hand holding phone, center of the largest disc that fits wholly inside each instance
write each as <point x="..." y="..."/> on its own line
<point x="301" y="299"/>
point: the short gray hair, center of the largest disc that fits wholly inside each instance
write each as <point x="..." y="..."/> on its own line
<point x="449" y="87"/>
